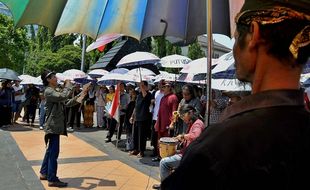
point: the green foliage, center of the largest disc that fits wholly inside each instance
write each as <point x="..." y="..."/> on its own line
<point x="68" y="57"/>
<point x="195" y="52"/>
<point x="159" y="46"/>
<point x="13" y="45"/>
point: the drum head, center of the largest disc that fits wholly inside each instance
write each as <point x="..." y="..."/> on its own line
<point x="168" y="140"/>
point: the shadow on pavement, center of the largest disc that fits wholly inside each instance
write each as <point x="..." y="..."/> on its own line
<point x="87" y="130"/>
<point x="91" y="183"/>
<point x="17" y="127"/>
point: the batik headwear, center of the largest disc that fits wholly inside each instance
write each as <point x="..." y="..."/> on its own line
<point x="267" y="12"/>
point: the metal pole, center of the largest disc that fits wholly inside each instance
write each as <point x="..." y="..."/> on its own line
<point x="209" y="58"/>
<point x="83" y="52"/>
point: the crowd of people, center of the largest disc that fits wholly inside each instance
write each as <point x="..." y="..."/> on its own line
<point x="146" y="112"/>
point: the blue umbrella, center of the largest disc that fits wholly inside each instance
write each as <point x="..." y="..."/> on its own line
<point x="8" y="74"/>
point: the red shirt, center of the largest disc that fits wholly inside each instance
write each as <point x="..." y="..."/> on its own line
<point x="168" y="104"/>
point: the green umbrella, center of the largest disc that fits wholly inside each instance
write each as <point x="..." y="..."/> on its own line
<point x="42" y="12"/>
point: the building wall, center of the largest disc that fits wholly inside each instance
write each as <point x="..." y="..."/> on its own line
<point x="234" y="6"/>
<point x="218" y="49"/>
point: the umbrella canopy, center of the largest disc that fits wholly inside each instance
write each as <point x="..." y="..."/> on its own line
<point x="225" y="62"/>
<point x="85" y="80"/>
<point x="197" y="66"/>
<point x="141" y="71"/>
<point x="229" y="85"/>
<point x="8" y="74"/>
<point x="27" y="79"/>
<point x="183" y="19"/>
<point x="96" y="73"/>
<point x="103" y="40"/>
<point x="136" y="18"/>
<point x="74" y="73"/>
<point x="174" y="61"/>
<point x="114" y="78"/>
<point x="42" y="12"/>
<point x="137" y="59"/>
<point x="120" y="70"/>
<point x="166" y="76"/>
<point x="61" y="77"/>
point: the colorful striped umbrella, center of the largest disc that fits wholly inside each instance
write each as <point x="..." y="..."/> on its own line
<point x="42" y="12"/>
<point x="183" y="19"/>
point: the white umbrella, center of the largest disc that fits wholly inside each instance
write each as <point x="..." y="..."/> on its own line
<point x="224" y="63"/>
<point x="219" y="84"/>
<point x="138" y="58"/>
<point x="97" y="73"/>
<point x="40" y="82"/>
<point x="197" y="66"/>
<point x="229" y="85"/>
<point x="61" y="77"/>
<point x="141" y="71"/>
<point x="113" y="78"/>
<point x="166" y="76"/>
<point x="27" y="79"/>
<point x="174" y="61"/>
<point x="74" y="73"/>
<point x="103" y="40"/>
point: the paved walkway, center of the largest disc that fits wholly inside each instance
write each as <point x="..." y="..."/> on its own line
<point x="85" y="161"/>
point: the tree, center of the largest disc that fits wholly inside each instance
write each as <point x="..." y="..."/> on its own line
<point x="68" y="57"/>
<point x="13" y="45"/>
<point x="195" y="52"/>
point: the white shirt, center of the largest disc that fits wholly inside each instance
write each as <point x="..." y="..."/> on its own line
<point x="16" y="89"/>
<point x="158" y="96"/>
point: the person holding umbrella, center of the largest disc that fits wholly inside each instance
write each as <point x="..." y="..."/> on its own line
<point x="261" y="141"/>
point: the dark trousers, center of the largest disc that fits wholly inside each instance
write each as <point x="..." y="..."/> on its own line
<point x="5" y="114"/>
<point x="49" y="165"/>
<point x="112" y="125"/>
<point x="74" y="116"/>
<point x="31" y="111"/>
<point x="140" y="135"/>
<point x="121" y="123"/>
<point x="154" y="139"/>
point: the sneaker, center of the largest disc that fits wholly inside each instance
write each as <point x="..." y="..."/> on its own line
<point x="70" y="129"/>
<point x="57" y="184"/>
<point x="156" y="159"/>
<point x="107" y="140"/>
<point x="41" y="128"/>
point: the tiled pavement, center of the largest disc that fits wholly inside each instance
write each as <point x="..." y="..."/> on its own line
<point x="85" y="161"/>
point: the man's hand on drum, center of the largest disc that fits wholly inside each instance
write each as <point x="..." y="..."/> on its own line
<point x="180" y="137"/>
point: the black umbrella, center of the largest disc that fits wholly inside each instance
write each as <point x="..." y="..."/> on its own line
<point x="8" y="74"/>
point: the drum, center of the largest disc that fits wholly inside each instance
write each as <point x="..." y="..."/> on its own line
<point x="167" y="146"/>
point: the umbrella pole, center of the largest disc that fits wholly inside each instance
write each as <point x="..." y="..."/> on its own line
<point x="209" y="58"/>
<point x="140" y="74"/>
<point x="83" y="52"/>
